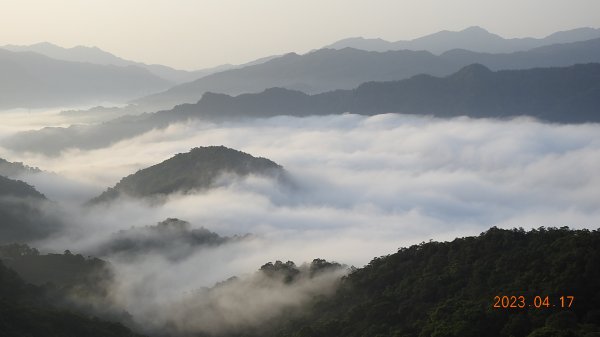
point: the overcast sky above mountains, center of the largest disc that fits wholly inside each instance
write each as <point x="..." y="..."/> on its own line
<point x="199" y="34"/>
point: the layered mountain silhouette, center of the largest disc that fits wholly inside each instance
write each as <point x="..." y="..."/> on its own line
<point x="569" y="95"/>
<point x="18" y="189"/>
<point x="199" y="169"/>
<point x="96" y="55"/>
<point x="329" y="69"/>
<point x="31" y="80"/>
<point x="564" y="95"/>
<point x="473" y="38"/>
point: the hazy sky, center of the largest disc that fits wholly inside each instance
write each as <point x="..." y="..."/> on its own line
<point x="194" y="34"/>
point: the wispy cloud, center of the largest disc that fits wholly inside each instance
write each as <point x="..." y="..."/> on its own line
<point x="363" y="187"/>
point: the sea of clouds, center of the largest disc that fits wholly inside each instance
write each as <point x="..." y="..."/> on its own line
<point x="360" y="187"/>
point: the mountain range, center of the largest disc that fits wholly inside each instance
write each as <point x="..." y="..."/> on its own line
<point x="473" y="38"/>
<point x="96" y="55"/>
<point x="31" y="80"/>
<point x="429" y="289"/>
<point x="10" y="188"/>
<point x="565" y="95"/>
<point x="568" y="95"/>
<point x="26" y="311"/>
<point x="329" y="69"/>
<point x="172" y="238"/>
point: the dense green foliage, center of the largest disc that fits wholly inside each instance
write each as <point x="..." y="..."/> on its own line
<point x="447" y="289"/>
<point x="31" y="80"/>
<point x="24" y="312"/>
<point x="565" y="95"/>
<point x="327" y="69"/>
<point x="198" y="169"/>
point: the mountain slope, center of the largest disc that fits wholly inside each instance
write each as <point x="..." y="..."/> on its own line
<point x="23" y="216"/>
<point x="9" y="169"/>
<point x="449" y="289"/>
<point x="475" y="39"/>
<point x="198" y="169"/>
<point x="62" y="270"/>
<point x="24" y="312"/>
<point x="31" y="80"/>
<point x="318" y="71"/>
<point x="172" y="238"/>
<point x="328" y="69"/>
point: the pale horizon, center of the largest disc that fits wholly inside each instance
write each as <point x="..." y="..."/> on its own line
<point x="201" y="34"/>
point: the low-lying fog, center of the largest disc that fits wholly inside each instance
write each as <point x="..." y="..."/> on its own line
<point x="362" y="187"/>
<point x="34" y="119"/>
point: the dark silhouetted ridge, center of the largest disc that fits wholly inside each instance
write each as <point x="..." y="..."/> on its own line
<point x="25" y="311"/>
<point x="31" y="80"/>
<point x="18" y="189"/>
<point x="552" y="94"/>
<point x="331" y="69"/>
<point x="9" y="169"/>
<point x="563" y="95"/>
<point x="195" y="170"/>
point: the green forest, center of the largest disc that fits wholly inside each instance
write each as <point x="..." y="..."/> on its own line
<point x="443" y="289"/>
<point x="430" y="289"/>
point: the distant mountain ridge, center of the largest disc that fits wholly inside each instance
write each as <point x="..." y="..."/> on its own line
<point x="31" y="80"/>
<point x="96" y="55"/>
<point x="328" y="69"/>
<point x="569" y="95"/>
<point x="26" y="310"/>
<point x="474" y="38"/>
<point x="195" y="170"/>
<point x="561" y="95"/>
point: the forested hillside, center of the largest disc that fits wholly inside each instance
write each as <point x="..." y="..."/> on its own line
<point x="194" y="170"/>
<point x="25" y="312"/>
<point x="448" y="289"/>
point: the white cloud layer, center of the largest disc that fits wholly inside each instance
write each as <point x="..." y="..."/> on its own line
<point x="363" y="187"/>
